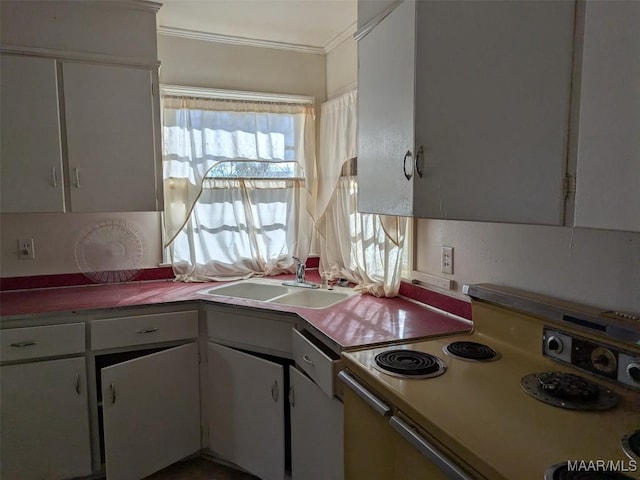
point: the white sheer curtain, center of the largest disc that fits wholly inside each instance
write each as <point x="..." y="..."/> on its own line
<point x="235" y="227"/>
<point x="364" y="248"/>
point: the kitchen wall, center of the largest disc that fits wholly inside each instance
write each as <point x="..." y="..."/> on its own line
<point x="200" y="63"/>
<point x="342" y="71"/>
<point x="56" y="236"/>
<point x="594" y="267"/>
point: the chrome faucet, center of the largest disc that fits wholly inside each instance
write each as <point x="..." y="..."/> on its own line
<point x="300" y="267"/>
<point x="300" y="281"/>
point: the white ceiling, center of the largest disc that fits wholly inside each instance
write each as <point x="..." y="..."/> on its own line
<point x="314" y="23"/>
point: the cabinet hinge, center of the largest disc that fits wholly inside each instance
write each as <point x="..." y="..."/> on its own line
<point x="569" y="185"/>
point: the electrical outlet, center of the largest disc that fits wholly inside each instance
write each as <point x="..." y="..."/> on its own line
<point x="446" y="260"/>
<point x="25" y="249"/>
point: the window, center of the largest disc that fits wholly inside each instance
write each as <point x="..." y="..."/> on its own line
<point x="235" y="186"/>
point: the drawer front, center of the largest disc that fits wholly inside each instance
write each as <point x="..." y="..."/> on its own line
<point x="263" y="334"/>
<point x="319" y="363"/>
<point x="142" y="329"/>
<point x="36" y="342"/>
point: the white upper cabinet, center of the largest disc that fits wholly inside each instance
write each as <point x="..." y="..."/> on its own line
<point x="110" y="138"/>
<point x="608" y="166"/>
<point x="386" y="114"/>
<point x="80" y="114"/>
<point x="31" y="169"/>
<point x="464" y="111"/>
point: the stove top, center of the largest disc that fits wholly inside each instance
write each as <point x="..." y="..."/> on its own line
<point x="551" y="394"/>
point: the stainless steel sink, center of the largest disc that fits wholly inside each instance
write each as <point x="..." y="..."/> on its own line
<point x="289" y="293"/>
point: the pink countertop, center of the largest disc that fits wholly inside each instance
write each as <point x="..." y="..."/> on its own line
<point x="360" y="320"/>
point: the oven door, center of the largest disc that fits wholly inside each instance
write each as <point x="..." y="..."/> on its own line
<point x="381" y="445"/>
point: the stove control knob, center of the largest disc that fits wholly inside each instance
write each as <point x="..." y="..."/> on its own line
<point x="604" y="360"/>
<point x="633" y="369"/>
<point x="554" y="344"/>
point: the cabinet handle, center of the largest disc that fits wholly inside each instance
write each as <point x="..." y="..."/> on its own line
<point x="374" y="402"/>
<point x="112" y="389"/>
<point x="148" y="330"/>
<point x="420" y="161"/>
<point x="54" y="177"/>
<point x="407" y="175"/>
<point x="306" y="358"/>
<point x="78" y="384"/>
<point x="77" y="173"/>
<point x="292" y="396"/>
<point x="27" y="343"/>
<point x="450" y="469"/>
<point x="274" y="391"/>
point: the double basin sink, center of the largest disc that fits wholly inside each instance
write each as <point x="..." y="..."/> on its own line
<point x="275" y="292"/>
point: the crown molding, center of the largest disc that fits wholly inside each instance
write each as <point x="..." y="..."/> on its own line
<point x="233" y="40"/>
<point x="341" y="37"/>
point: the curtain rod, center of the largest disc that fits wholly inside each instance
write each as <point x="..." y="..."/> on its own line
<point x="221" y="94"/>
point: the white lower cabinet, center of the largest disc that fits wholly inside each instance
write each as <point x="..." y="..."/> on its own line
<point x="316" y="431"/>
<point x="46" y="393"/>
<point x="151" y="411"/>
<point x="246" y="411"/>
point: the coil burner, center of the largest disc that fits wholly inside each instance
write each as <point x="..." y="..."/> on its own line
<point x="409" y="364"/>
<point x="567" y="390"/>
<point x="631" y="445"/>
<point x="561" y="472"/>
<point x="473" y="351"/>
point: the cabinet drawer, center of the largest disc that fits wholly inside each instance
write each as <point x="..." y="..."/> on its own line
<point x="35" y="342"/>
<point x="142" y="329"/>
<point x="265" y="333"/>
<point x="317" y="360"/>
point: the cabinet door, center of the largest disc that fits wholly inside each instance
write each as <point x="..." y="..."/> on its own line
<point x="492" y="109"/>
<point x="151" y="411"/>
<point x="386" y="114"/>
<point x="45" y="420"/>
<point x="31" y="152"/>
<point x="110" y="137"/>
<point x="316" y="431"/>
<point x="608" y="171"/>
<point x="246" y="411"/>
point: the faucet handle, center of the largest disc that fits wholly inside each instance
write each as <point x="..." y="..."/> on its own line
<point x="298" y="261"/>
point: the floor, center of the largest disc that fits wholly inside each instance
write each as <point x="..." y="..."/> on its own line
<point x="199" y="469"/>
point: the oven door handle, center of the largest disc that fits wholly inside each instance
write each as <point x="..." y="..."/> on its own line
<point x="447" y="467"/>
<point x="374" y="402"/>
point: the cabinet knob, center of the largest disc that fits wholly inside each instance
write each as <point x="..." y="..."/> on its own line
<point x="554" y="344"/>
<point x="633" y="369"/>
<point x="407" y="175"/>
